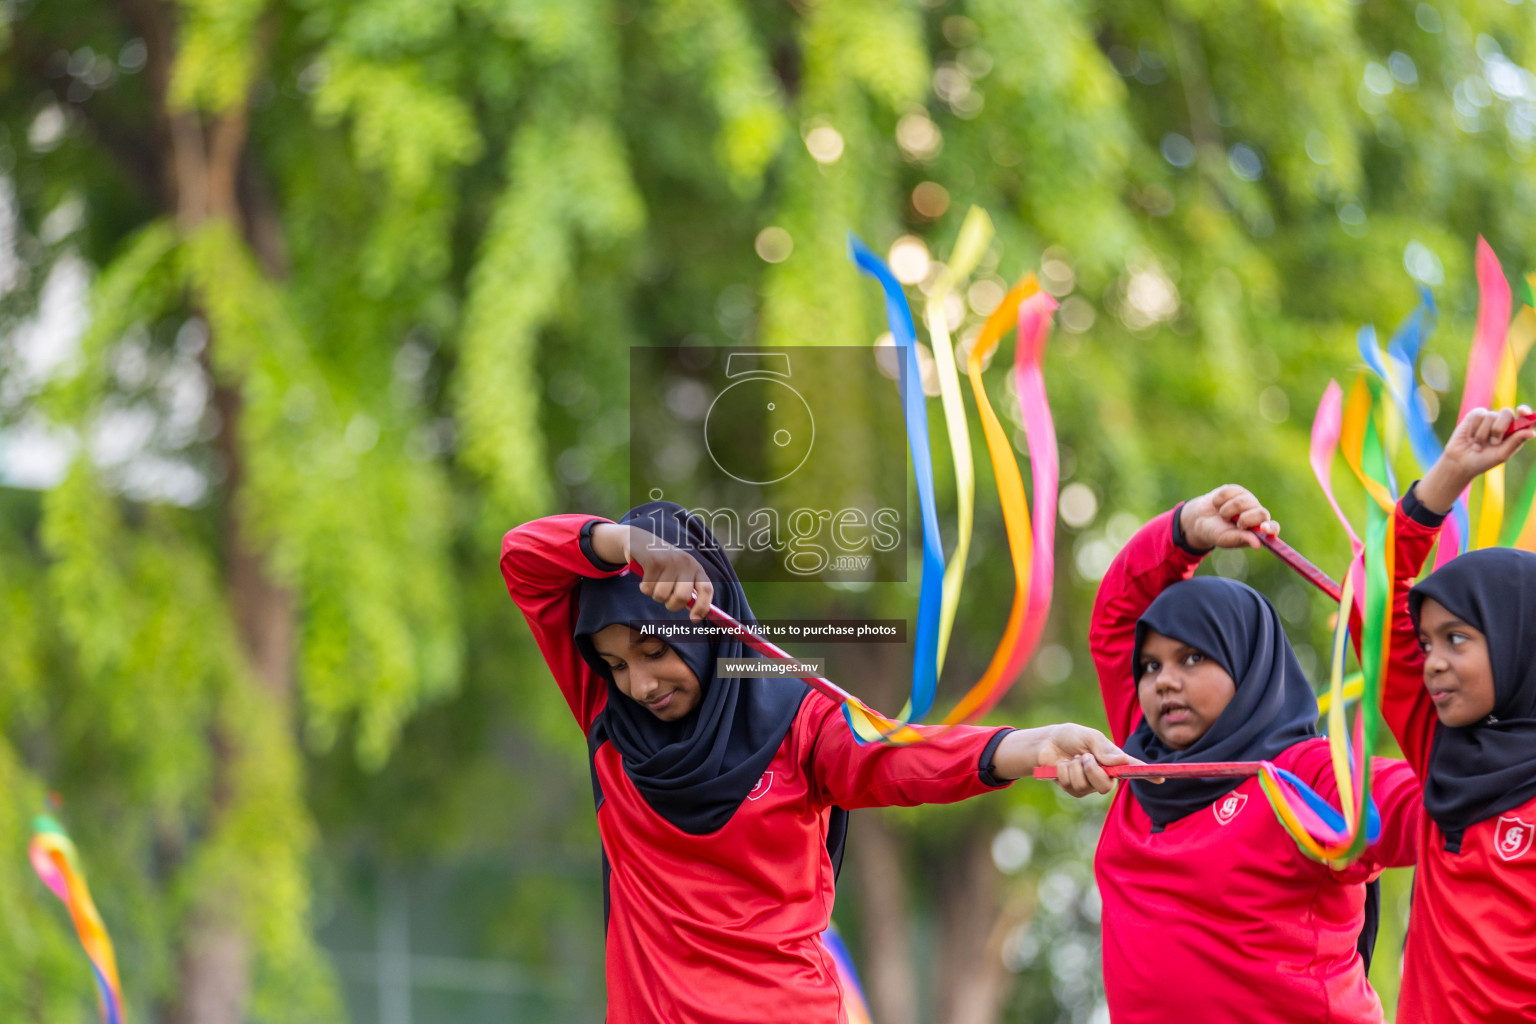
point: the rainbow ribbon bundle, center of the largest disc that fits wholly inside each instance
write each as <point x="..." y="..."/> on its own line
<point x="1339" y="836"/>
<point x="56" y="862"/>
<point x="1031" y="539"/>
<point x="1499" y="349"/>
<point x="1368" y="429"/>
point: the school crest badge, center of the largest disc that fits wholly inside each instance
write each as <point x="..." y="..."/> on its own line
<point x="1228" y="807"/>
<point x="762" y="786"/>
<point x="1512" y="839"/>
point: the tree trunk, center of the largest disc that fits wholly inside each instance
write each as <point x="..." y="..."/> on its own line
<point x="874" y="852"/>
<point x="888" y="955"/>
<point x="201" y="157"/>
<point x="215" y="960"/>
<point x="973" y="979"/>
<point x="262" y="610"/>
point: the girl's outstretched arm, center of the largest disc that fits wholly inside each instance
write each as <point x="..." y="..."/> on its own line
<point x="961" y="762"/>
<point x="1078" y="752"/>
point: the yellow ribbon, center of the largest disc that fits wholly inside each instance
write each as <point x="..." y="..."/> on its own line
<point x="1357" y="410"/>
<point x="1010" y="489"/>
<point x="1338" y="728"/>
<point x="975" y="234"/>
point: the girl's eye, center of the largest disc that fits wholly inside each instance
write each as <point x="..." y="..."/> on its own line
<point x="659" y="652"/>
<point x="1457" y="639"/>
<point x="1193" y="658"/>
<point x="616" y="668"/>
<point x="1149" y="667"/>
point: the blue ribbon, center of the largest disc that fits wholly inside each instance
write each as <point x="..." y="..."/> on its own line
<point x="1403" y="355"/>
<point x="1371" y="353"/>
<point x="1404" y="350"/>
<point x="914" y="407"/>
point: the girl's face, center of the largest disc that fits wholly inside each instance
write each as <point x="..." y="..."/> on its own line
<point x="1181" y="690"/>
<point x="648" y="670"/>
<point x="1457" y="672"/>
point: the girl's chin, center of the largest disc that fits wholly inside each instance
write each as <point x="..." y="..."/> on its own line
<point x="1453" y="717"/>
<point x="1180" y="737"/>
<point x="670" y="708"/>
<point x="660" y="708"/>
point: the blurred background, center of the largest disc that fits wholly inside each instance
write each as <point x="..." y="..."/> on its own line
<point x="304" y="303"/>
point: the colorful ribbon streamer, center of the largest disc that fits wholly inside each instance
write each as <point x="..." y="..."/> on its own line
<point x="1483" y="362"/>
<point x="1354" y="685"/>
<point x="1338" y="837"/>
<point x="1334" y="837"/>
<point x="1044" y="463"/>
<point x="1030" y="549"/>
<point x="1031" y="552"/>
<point x="1403" y="356"/>
<point x="1358" y="435"/>
<point x="1030" y="543"/>
<point x="56" y="862"/>
<point x="1517" y="345"/>
<point x="975" y="234"/>
<point x="1327" y="425"/>
<point x="914" y="407"/>
<point x="1520" y="529"/>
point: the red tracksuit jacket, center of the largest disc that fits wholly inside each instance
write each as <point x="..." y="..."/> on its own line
<point x="724" y="927"/>
<point x="1220" y="917"/>
<point x="1472" y="929"/>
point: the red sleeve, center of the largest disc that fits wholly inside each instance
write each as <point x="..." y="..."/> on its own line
<point x="1405" y="704"/>
<point x="1395" y="789"/>
<point x="542" y="562"/>
<point x="1148" y="564"/>
<point x="848" y="774"/>
<point x="1400" y="800"/>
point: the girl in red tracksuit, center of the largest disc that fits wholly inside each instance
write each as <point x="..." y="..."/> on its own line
<point x="1211" y="913"/>
<point x="1461" y="700"/>
<point x="721" y="801"/>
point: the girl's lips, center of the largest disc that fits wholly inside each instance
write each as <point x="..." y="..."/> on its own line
<point x="1173" y="716"/>
<point x="660" y="702"/>
<point x="1441" y="696"/>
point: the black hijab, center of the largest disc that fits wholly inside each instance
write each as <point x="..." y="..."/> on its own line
<point x="1477" y="771"/>
<point x="696" y="771"/>
<point x="1273" y="707"/>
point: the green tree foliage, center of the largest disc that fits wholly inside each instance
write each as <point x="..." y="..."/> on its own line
<point x="401" y="248"/>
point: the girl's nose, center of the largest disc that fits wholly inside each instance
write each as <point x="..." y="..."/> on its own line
<point x="1168" y="681"/>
